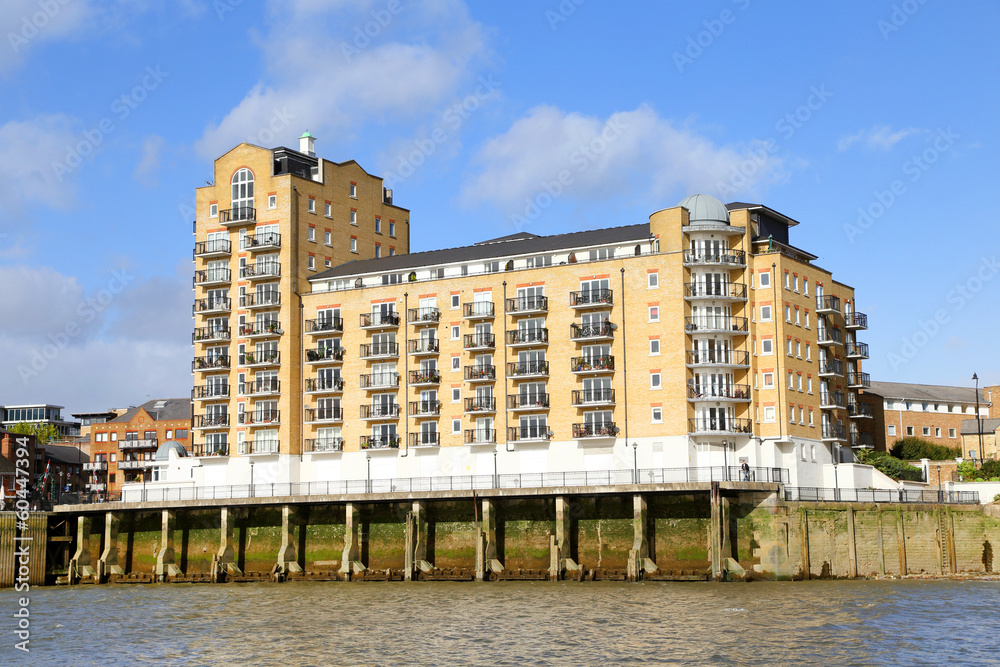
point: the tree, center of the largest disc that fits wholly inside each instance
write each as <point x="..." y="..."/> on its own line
<point x="44" y="433"/>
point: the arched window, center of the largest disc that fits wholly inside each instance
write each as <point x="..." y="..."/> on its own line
<point x="242" y="203"/>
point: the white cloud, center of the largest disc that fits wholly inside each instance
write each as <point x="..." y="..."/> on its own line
<point x="877" y="138"/>
<point x="30" y="150"/>
<point x="149" y="163"/>
<point x="333" y="65"/>
<point x="26" y="23"/>
<point x="597" y="158"/>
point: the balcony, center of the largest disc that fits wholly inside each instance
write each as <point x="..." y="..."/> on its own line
<point x="827" y="336"/>
<point x="325" y="355"/>
<point x="323" y="415"/>
<point x="603" y="330"/>
<point x="479" y="341"/>
<point x="424" y="409"/>
<point x="831" y="400"/>
<point x="210" y="363"/>
<point x="719" y="426"/>
<point x="480" y="405"/>
<point x="242" y="215"/>
<point x="481" y="436"/>
<point x="269" y="299"/>
<point x="325" y="385"/>
<point x="380" y="441"/>
<point x="715" y="292"/>
<point x="379" y="351"/>
<point x="144" y="464"/>
<point x="261" y="447"/>
<point x="595" y="298"/>
<point x="259" y="242"/>
<point x="540" y="433"/>
<point x="210" y="392"/>
<point x="216" y="248"/>
<point x="599" y="430"/>
<point x="379" y="381"/>
<point x="424" y="439"/>
<point x="592" y="365"/>
<point x="710" y="324"/>
<point x="423" y="346"/>
<point x="425" y="378"/>
<point x="732" y="258"/>
<point x="857" y="351"/>
<point x="593" y="397"/>
<point x="96" y="466"/>
<point x="862" y="440"/>
<point x="527" y="305"/>
<point x="527" y="401"/>
<point x="376" y="321"/>
<point x="132" y="445"/>
<point x="265" y="329"/>
<point x="732" y="392"/>
<point x="528" y="337"/>
<point x="210" y="277"/>
<point x="834" y="432"/>
<point x="325" y="325"/>
<point x="260" y="387"/>
<point x="261" y="271"/>
<point x="858" y="410"/>
<point x="323" y="444"/>
<point x="210" y="335"/>
<point x="856" y="380"/>
<point x="260" y="418"/>
<point x="830" y="368"/>
<point x="208" y="306"/>
<point x="718" y="358"/>
<point x="478" y="310"/>
<point x="211" y="421"/>
<point x="97" y="486"/>
<point x="480" y="373"/>
<point x="423" y="316"/>
<point x="827" y="304"/>
<point x="260" y="359"/>
<point x="524" y="370"/>
<point x="856" y="321"/>
<point x="209" y="449"/>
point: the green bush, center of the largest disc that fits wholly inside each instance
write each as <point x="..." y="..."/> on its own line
<point x="990" y="470"/>
<point x="913" y="449"/>
<point x="890" y="465"/>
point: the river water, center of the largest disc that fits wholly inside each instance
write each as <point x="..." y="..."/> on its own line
<point x="819" y="623"/>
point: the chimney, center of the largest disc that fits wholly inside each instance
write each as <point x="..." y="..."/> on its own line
<point x="307" y="144"/>
<point x="5" y="448"/>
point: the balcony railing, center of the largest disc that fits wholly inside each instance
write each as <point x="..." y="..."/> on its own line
<point x="480" y="436"/>
<point x="259" y="417"/>
<point x="857" y="380"/>
<point x="528" y="337"/>
<point x="829" y="336"/>
<point x="424" y="439"/>
<point x="479" y="341"/>
<point x="831" y="367"/>
<point x="260" y="299"/>
<point x="527" y="401"/>
<point x="589" y="298"/>
<point x="596" y="331"/>
<point x="718" y="358"/>
<point x="335" y="383"/>
<point x="266" y="328"/>
<point x="528" y="433"/>
<point x="213" y="277"/>
<point x="376" y="350"/>
<point x="831" y="400"/>
<point x="710" y="392"/>
<point x="856" y="320"/>
<point x="826" y="303"/>
<point x="207" y="334"/>
<point x="596" y="430"/>
<point x="424" y="408"/>
<point x="135" y="464"/>
<point x="480" y="373"/>
<point x="261" y="447"/>
<point x="478" y="309"/>
<point x="603" y="396"/>
<point x="527" y="304"/>
<point x="264" y="241"/>
<point x="715" y="291"/>
<point x="96" y="466"/>
<point x="379" y="320"/>
<point x="239" y="214"/>
<point x="210" y="391"/>
<point x="857" y="350"/>
<point x="423" y="315"/>
<point x="325" y="354"/>
<point x="834" y="432"/>
<point x="209" y="363"/>
<point x="210" y="449"/>
<point x="857" y="409"/>
<point x="144" y="443"/>
<point x="330" y="444"/>
<point x="325" y="324"/>
<point x="380" y="441"/>
<point x="713" y="324"/>
<point x="862" y="440"/>
<point x="379" y="381"/>
<point x="214" y="247"/>
<point x="219" y="305"/>
<point x="518" y="369"/>
<point x="261" y="270"/>
<point x="268" y="358"/>
<point x="211" y="421"/>
<point x="425" y="377"/>
<point x="480" y="404"/>
<point x="423" y="346"/>
<point x="259" y="387"/>
<point x="719" y="426"/>
<point x="330" y="414"/>
<point x="736" y="258"/>
<point x="592" y="364"/>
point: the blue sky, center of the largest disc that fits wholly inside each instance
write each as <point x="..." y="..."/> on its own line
<point x="872" y="123"/>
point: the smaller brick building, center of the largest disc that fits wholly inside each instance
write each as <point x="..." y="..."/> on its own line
<point x="971" y="440"/>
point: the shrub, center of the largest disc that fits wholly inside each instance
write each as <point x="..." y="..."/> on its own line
<point x="889" y="465"/>
<point x="912" y="449"/>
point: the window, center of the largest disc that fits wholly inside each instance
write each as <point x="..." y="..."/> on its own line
<point x="378" y="225"/>
<point x="454" y="302"/>
<point x="809" y="356"/>
<point x="768" y="380"/>
<point x="788" y="313"/>
<point x="456" y="425"/>
<point x="798" y="321"/>
<point x="892" y="429"/>
<point x="909" y="430"/>
<point x="455" y="332"/>
<point x="951" y="433"/>
<point x="657" y="416"/>
<point x="652" y="280"/>
<point x="392" y="229"/>
<point x="765" y="280"/>
<point x="456" y="395"/>
<point x="791" y="380"/>
<point x="326" y="209"/>
<point x="791" y="414"/>
<point x="378" y="250"/>
<point x="327" y="263"/>
<point x="789" y="347"/>
<point x="769" y="414"/>
<point x="809" y="385"/>
<point x="181" y="434"/>
<point x="353" y="191"/>
<point x="312" y="205"/>
<point x="795" y="283"/>
<point x="807" y="320"/>
<point x="654" y="347"/>
<point x="765" y="313"/>
<point x="114" y="437"/>
<point x="354" y="244"/>
<point x="170" y="434"/>
<point x="114" y="457"/>
<point x="766" y="346"/>
<point x="788" y="282"/>
<point x="654" y="313"/>
<point x="798" y="349"/>
<point x="312" y="263"/>
<point x="937" y="431"/>
<point x="327" y="238"/>
<point x="312" y="234"/>
<point x="392" y="251"/>
<point x="272" y="201"/>
<point x="354" y="218"/>
<point x="213" y="210"/>
<point x="927" y="430"/>
<point x="456" y="363"/>
<point x="654" y="381"/>
<point x="810" y="417"/>
<point x="805" y="285"/>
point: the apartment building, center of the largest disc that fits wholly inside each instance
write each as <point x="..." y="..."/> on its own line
<point x="702" y="337"/>
<point x="273" y="219"/>
<point x="39" y="413"/>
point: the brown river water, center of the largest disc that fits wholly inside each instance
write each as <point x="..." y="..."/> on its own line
<point x="531" y="623"/>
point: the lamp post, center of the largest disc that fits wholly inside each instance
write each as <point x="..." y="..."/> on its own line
<point x="251" y="478"/>
<point x="836" y="477"/>
<point x="496" y="479"/>
<point x="979" y="421"/>
<point x="939" y="483"/>
<point x="143" y="486"/>
<point x="725" y="459"/>
<point x="635" y="462"/>
<point x="368" y="479"/>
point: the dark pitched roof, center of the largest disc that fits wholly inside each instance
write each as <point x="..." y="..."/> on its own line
<point x="970" y="427"/>
<point x="6" y="466"/>
<point x="926" y="392"/>
<point x="740" y="205"/>
<point x="526" y="246"/>
<point x="65" y="454"/>
<point x="163" y="409"/>
<point x="519" y="236"/>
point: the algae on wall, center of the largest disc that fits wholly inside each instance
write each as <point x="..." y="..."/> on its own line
<point x="678" y="531"/>
<point x="602" y="532"/>
<point x="451" y="534"/>
<point x="523" y="530"/>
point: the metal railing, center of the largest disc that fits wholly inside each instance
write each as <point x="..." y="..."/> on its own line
<point x="212" y="276"/>
<point x="424" y="439"/>
<point x="589" y="396"/>
<point x="210" y="391"/>
<point x="480" y="436"/>
<point x="586" y="331"/>
<point x="263" y="240"/>
<point x="710" y="323"/>
<point x="480" y="372"/>
<point x="389" y="319"/>
<point x="423" y="346"/>
<point x="323" y="444"/>
<point x="527" y="368"/>
<point x="858" y="409"/>
<point x="260" y="416"/>
<point x="478" y="309"/>
<point x="717" y="290"/>
<point x="380" y="411"/>
<point x="834" y="432"/>
<point x="818" y="494"/>
<point x="379" y="380"/>
<point x="263" y="357"/>
<point x="583" y="364"/>
<point x="260" y="386"/>
<point x="380" y="442"/>
<point x="831" y="367"/>
<point x="528" y="401"/>
<point x="424" y="408"/>
<point x="857" y="320"/>
<point x="857" y="350"/>
<point x="720" y="426"/>
<point x="827" y="302"/>
<point x="211" y="421"/>
<point x="481" y="404"/>
<point x="238" y="214"/>
<point x="138" y="443"/>
<point x="709" y="392"/>
<point x="257" y="299"/>
<point x="264" y="328"/>
<point x="523" y="433"/>
<point x="539" y="304"/>
<point x="335" y="383"/>
<point x="208" y="363"/>
<point x="855" y="379"/>
<point x="324" y="414"/>
<point x="828" y="334"/>
<point x="597" y="430"/>
<point x="215" y="305"/>
<point x="325" y="354"/>
<point x="594" y="297"/>
<point x="320" y="325"/>
<point x="528" y="337"/>
<point x="730" y="257"/>
<point x="718" y="358"/>
<point x="217" y="246"/>
<point x="378" y="350"/>
<point x="261" y="270"/>
<point x="430" y="376"/>
<point x="479" y="341"/>
<point x="423" y="315"/>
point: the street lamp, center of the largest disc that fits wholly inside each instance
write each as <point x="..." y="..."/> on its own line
<point x="836" y="477"/>
<point x="143" y="486"/>
<point x="251" y="478"/>
<point x="725" y="459"/>
<point x="635" y="462"/>
<point x="979" y="422"/>
<point x="939" y="483"/>
<point x="496" y="479"/>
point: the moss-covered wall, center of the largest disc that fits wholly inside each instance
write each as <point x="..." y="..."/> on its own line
<point x="451" y="534"/>
<point x="602" y="533"/>
<point x="257" y="538"/>
<point x="324" y="538"/>
<point x="383" y="535"/>
<point x="139" y="542"/>
<point x="523" y="530"/>
<point x="196" y="540"/>
<point x="678" y="531"/>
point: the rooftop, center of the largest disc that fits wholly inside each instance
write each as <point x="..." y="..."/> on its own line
<point x="927" y="392"/>
<point x="161" y="409"/>
<point x="969" y="426"/>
